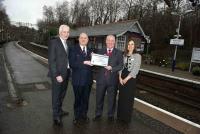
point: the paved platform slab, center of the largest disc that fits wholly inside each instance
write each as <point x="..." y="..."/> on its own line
<point x="36" y="118"/>
<point x="25" y="68"/>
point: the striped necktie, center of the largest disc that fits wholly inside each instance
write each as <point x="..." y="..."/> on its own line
<point x="84" y="51"/>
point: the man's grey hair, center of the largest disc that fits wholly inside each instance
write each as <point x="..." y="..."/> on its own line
<point x="62" y="27"/>
<point x="83" y="34"/>
<point x="110" y="36"/>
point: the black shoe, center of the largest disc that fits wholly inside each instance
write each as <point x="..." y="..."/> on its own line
<point x="76" y="122"/>
<point x="97" y="118"/>
<point x="85" y="119"/>
<point x="57" y="122"/>
<point x="111" y="119"/>
<point x="119" y="120"/>
<point x="64" y="113"/>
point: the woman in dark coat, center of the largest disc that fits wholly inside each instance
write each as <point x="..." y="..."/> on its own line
<point x="127" y="79"/>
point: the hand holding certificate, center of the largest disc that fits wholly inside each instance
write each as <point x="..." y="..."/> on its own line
<point x="87" y="63"/>
<point x="99" y="60"/>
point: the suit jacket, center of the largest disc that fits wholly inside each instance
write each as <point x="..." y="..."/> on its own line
<point x="81" y="73"/>
<point x="134" y="62"/>
<point x="57" y="58"/>
<point x="116" y="62"/>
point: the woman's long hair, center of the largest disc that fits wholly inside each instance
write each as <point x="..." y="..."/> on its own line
<point x="126" y="51"/>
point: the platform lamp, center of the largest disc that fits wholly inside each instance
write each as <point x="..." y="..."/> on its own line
<point x="178" y="34"/>
<point x="148" y="43"/>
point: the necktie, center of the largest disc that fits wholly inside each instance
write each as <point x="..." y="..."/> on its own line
<point x="109" y="53"/>
<point x="65" y="46"/>
<point x="84" y="51"/>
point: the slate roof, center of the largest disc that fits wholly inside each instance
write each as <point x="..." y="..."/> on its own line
<point x="117" y="28"/>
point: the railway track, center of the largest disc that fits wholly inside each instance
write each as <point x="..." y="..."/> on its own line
<point x="177" y="90"/>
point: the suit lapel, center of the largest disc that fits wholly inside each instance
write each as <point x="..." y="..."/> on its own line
<point x="61" y="45"/>
<point x="113" y="53"/>
<point x="80" y="50"/>
<point x="112" y="56"/>
<point x="89" y="51"/>
<point x="68" y="46"/>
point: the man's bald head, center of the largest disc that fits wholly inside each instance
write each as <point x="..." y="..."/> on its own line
<point x="83" y="39"/>
<point x="110" y="41"/>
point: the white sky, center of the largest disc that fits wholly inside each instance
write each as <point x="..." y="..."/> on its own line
<point x="28" y="11"/>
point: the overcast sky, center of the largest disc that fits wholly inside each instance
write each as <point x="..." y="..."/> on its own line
<point x="28" y="11"/>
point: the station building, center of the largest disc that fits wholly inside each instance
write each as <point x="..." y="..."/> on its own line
<point x="122" y="30"/>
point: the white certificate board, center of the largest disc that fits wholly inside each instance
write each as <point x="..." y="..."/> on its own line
<point x="99" y="60"/>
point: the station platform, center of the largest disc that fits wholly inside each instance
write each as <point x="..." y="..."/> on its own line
<point x="35" y="115"/>
<point x="177" y="74"/>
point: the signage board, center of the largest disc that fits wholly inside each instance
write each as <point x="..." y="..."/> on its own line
<point x="179" y="42"/>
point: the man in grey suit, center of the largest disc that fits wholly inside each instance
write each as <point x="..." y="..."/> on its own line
<point x="107" y="79"/>
<point x="59" y="71"/>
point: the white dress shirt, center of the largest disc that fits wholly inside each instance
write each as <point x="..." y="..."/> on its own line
<point x="83" y="47"/>
<point x="111" y="49"/>
<point x="64" y="43"/>
<point x="65" y="46"/>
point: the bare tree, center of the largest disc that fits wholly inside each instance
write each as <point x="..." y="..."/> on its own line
<point x="3" y="15"/>
<point x="75" y="10"/>
<point x="137" y="9"/>
<point x="105" y="11"/>
<point x="41" y="26"/>
<point x="4" y="23"/>
<point x="177" y="4"/>
<point x="83" y="18"/>
<point x="62" y="12"/>
<point x="114" y="10"/>
<point x="128" y="8"/>
<point x="97" y="10"/>
<point x="48" y="14"/>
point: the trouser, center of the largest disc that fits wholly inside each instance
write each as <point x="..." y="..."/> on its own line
<point x="58" y="95"/>
<point x="82" y="94"/>
<point x="111" y="96"/>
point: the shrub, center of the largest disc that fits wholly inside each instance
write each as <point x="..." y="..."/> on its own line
<point x="183" y="66"/>
<point x="148" y="59"/>
<point x="196" y="70"/>
<point x="161" y="57"/>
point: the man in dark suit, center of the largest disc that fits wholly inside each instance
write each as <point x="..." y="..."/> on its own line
<point x="79" y="61"/>
<point x="59" y="71"/>
<point x="107" y="79"/>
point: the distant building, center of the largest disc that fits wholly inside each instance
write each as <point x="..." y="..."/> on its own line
<point x="123" y="31"/>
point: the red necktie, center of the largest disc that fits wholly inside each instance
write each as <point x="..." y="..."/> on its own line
<point x="109" y="53"/>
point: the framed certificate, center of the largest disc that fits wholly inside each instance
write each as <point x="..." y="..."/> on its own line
<point x="99" y="60"/>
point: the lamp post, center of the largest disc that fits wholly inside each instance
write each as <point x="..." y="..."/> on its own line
<point x="148" y="42"/>
<point x="178" y="35"/>
<point x="176" y="47"/>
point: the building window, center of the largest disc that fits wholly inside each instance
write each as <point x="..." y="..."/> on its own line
<point x="121" y="42"/>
